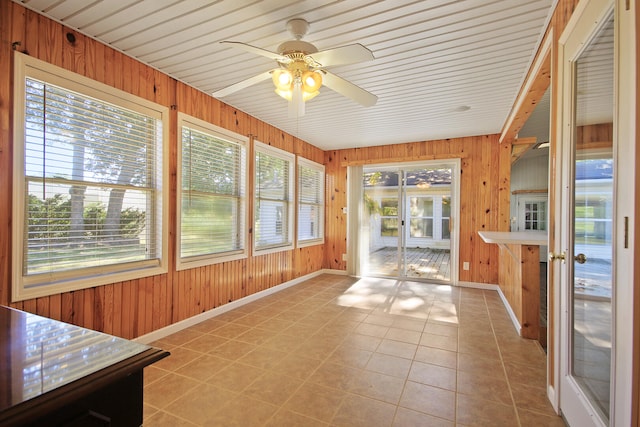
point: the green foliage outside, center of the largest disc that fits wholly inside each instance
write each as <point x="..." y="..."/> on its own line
<point x="50" y="219"/>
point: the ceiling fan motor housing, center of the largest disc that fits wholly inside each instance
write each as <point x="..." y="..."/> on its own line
<point x="293" y="46"/>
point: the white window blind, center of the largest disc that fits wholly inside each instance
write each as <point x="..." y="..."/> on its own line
<point x="213" y="204"/>
<point x="310" y="202"/>
<point x="273" y="198"/>
<point x="92" y="187"/>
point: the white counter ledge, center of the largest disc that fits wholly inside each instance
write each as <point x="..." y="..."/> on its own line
<point x="515" y="237"/>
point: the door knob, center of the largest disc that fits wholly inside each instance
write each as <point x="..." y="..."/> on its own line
<point x="554" y="256"/>
<point x="581" y="258"/>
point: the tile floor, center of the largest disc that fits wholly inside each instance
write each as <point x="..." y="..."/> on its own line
<point x="339" y="351"/>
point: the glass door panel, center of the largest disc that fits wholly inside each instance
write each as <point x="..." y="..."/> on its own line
<point x="409" y="215"/>
<point x="592" y="280"/>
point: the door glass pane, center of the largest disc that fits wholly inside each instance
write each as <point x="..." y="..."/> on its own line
<point x="381" y="212"/>
<point x="592" y="282"/>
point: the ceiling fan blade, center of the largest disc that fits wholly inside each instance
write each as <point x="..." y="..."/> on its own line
<point x="258" y="51"/>
<point x="243" y="84"/>
<point x="348" y="89"/>
<point x="349" y="54"/>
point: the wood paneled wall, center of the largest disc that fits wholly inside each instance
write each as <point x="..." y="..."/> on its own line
<point x="133" y="308"/>
<point x="484" y="195"/>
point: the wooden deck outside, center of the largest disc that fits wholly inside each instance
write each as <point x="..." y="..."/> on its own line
<point x="422" y="263"/>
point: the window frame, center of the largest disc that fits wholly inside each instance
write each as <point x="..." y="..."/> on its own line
<point x="260" y="147"/>
<point x="40" y="285"/>
<point x="183" y="263"/>
<point x="317" y="167"/>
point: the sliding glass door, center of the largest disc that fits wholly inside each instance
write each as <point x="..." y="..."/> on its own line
<point x="408" y="214"/>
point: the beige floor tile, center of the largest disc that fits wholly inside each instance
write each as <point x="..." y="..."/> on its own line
<point x="377" y="386"/>
<point x="285" y="418"/>
<point x="334" y="376"/>
<point x="375" y="319"/>
<point x="350" y="356"/>
<point x="205" y="343"/>
<point x="200" y="403"/>
<point x="296" y="366"/>
<point x="203" y="368"/>
<point x="256" y="336"/>
<point x="389" y="365"/>
<point x="403" y="335"/>
<point x="285" y="342"/>
<point x="526" y="374"/>
<point x="476" y="364"/>
<point x="364" y="412"/>
<point x="372" y="330"/>
<point x="233" y="350"/>
<point x="153" y="373"/>
<point x="172" y="386"/>
<point x="236" y="377"/>
<point x="437" y="356"/>
<point x="276" y="325"/>
<point x="263" y="357"/>
<point x="315" y="401"/>
<point x="272" y="387"/>
<point x="208" y="325"/>
<point x="531" y="398"/>
<point x="535" y="419"/>
<point x="318" y="349"/>
<point x="182" y="337"/>
<point x="443" y="342"/>
<point x="433" y="375"/>
<point x="429" y="400"/>
<point x="365" y="342"/>
<point x="162" y="419"/>
<point x="408" y="324"/>
<point x="440" y="329"/>
<point x="242" y="412"/>
<point x="491" y="387"/>
<point x="179" y="356"/>
<point x="231" y="330"/>
<point x="474" y="411"/>
<point x="397" y="348"/>
<point x="409" y="418"/>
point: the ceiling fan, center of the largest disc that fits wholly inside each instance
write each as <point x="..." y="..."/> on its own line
<point x="302" y="70"/>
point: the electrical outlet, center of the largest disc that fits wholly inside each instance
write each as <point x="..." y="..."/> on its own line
<point x="344" y="257"/>
<point x="465" y="265"/>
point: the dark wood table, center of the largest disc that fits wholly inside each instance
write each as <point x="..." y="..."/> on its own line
<point x="56" y="374"/>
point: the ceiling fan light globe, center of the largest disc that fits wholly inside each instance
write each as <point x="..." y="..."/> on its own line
<point x="282" y="79"/>
<point x="311" y="81"/>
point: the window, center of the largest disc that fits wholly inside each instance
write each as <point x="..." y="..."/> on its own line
<point x="389" y="217"/>
<point x="446" y="215"/>
<point x="534" y="216"/>
<point x="421" y="209"/>
<point x="273" y="211"/>
<point x="310" y="202"/>
<point x="211" y="194"/>
<point x="88" y="170"/>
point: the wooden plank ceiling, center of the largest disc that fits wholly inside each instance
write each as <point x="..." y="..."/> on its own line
<point x="442" y="68"/>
